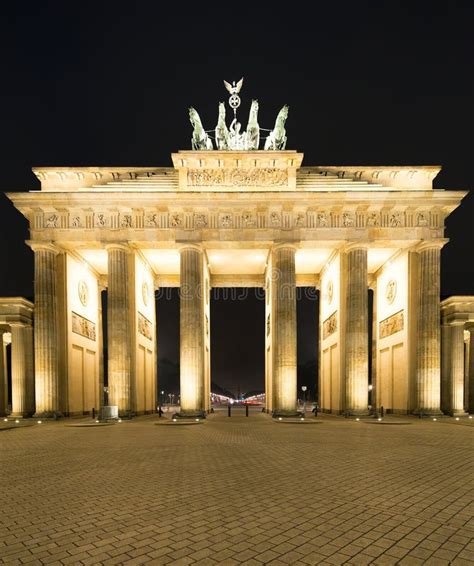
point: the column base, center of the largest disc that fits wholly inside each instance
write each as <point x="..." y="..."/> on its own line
<point x="287" y="414"/>
<point x="427" y="413"/>
<point x="55" y="415"/>
<point x="21" y="414"/>
<point x="190" y="415"/>
<point x="356" y="413"/>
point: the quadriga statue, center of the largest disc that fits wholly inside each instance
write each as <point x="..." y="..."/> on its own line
<point x="276" y="140"/>
<point x="200" y="139"/>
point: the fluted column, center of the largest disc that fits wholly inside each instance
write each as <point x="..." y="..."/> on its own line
<point x="470" y="384"/>
<point x="118" y="328"/>
<point x="46" y="332"/>
<point x="456" y="373"/>
<point x="191" y="331"/>
<point x="22" y="398"/>
<point x="3" y="379"/>
<point x="284" y="329"/>
<point x="357" y="331"/>
<point x="428" y="375"/>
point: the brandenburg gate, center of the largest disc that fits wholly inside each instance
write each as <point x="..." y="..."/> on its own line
<point x="243" y="217"/>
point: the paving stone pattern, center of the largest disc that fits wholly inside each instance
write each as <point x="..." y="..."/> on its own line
<point x="238" y="491"/>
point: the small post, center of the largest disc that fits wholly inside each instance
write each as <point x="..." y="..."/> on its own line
<point x="93" y="412"/>
<point x="246" y="410"/>
<point x="381" y="412"/>
<point x="229" y="409"/>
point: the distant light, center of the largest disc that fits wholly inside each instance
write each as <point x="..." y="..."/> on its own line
<point x="6" y="420"/>
<point x="470" y="416"/>
<point x="357" y="419"/>
<point x="371" y="387"/>
<point x="197" y="420"/>
<point x="279" y="418"/>
<point x="379" y="419"/>
<point x="302" y="419"/>
<point x="39" y="422"/>
<point x="435" y="419"/>
<point x="174" y="420"/>
<point x="120" y="420"/>
<point x="96" y="421"/>
<point x="457" y="418"/>
<point x="17" y="421"/>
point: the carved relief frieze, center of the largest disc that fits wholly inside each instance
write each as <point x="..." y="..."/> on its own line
<point x="225" y="220"/>
<point x="391" y="325"/>
<point x="145" y="327"/>
<point x="373" y="219"/>
<point x="265" y="177"/>
<point x="83" y="326"/>
<point x="101" y="220"/>
<point x="330" y="325"/>
<point x="125" y="221"/>
<point x="175" y="220"/>
<point x="200" y="220"/>
<point x="51" y="221"/>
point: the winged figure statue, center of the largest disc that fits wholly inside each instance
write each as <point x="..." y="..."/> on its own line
<point x="234" y="88"/>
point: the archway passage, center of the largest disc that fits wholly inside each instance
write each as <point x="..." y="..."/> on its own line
<point x="238" y="344"/>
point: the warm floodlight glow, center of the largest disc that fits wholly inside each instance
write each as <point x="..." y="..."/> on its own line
<point x="302" y="418"/>
<point x="457" y="418"/>
<point x="470" y="416"/>
<point x="174" y="420"/>
<point x="120" y="420"/>
<point x="357" y="419"/>
<point x="279" y="418"/>
<point x="5" y="420"/>
<point x="96" y="421"/>
<point x="379" y="419"/>
<point x="17" y="421"/>
<point x="39" y="422"/>
<point x="435" y="419"/>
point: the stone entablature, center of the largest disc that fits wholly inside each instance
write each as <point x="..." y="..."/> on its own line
<point x="16" y="311"/>
<point x="457" y="309"/>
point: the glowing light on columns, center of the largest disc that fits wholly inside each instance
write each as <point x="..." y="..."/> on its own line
<point x="284" y="317"/>
<point x="191" y="330"/>
<point x="357" y="327"/>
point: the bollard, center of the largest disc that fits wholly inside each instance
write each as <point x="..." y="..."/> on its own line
<point x="228" y="410"/>
<point x="246" y="410"/>
<point x="93" y="412"/>
<point x="381" y="412"/>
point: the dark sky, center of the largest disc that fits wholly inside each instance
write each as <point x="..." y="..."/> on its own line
<point x="367" y="83"/>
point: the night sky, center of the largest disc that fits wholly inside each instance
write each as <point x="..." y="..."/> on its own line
<point x="367" y="83"/>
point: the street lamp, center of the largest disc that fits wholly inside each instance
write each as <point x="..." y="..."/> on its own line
<point x="303" y="389"/>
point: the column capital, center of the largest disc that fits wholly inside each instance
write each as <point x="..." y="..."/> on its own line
<point x="430" y="244"/>
<point x="189" y="246"/>
<point x="123" y="246"/>
<point x="351" y="246"/>
<point x="43" y="246"/>
<point x="284" y="245"/>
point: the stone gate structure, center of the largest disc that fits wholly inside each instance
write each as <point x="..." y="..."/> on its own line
<point x="237" y="219"/>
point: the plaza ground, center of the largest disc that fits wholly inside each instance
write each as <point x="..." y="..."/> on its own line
<point x="238" y="491"/>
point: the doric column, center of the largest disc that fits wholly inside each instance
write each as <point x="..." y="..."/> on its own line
<point x="470" y="385"/>
<point x="357" y="329"/>
<point x="118" y="328"/>
<point x="22" y="386"/>
<point x="456" y="370"/>
<point x="3" y="379"/>
<point x="191" y="331"/>
<point x="284" y="330"/>
<point x="428" y="374"/>
<point x="46" y="332"/>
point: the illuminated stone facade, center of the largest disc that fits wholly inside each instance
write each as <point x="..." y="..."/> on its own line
<point x="237" y="219"/>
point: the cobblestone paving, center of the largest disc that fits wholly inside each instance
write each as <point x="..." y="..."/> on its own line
<point x="238" y="491"/>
